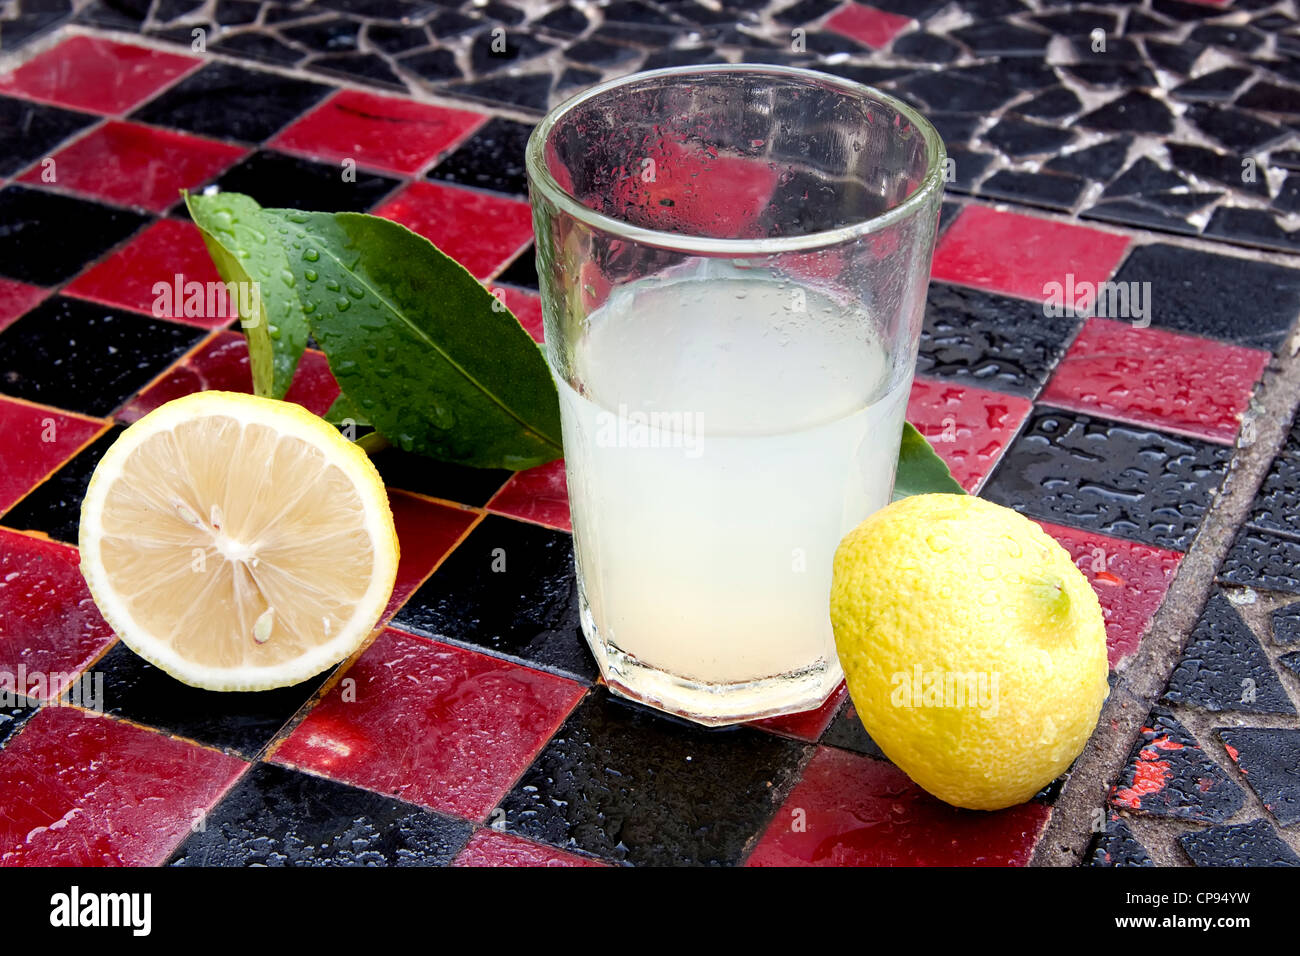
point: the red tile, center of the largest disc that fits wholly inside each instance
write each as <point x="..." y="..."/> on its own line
<point x="480" y="231"/>
<point x="17" y="298"/>
<point x="440" y="726"/>
<point x="875" y="28"/>
<point x="969" y="428"/>
<point x="526" y="306"/>
<point x="850" y="810"/>
<point x="1180" y="383"/>
<point x="426" y="531"/>
<point x="52" y="628"/>
<point x="91" y="73"/>
<point x="167" y="249"/>
<point x="807" y="725"/>
<point x="134" y="165"/>
<point x="1020" y="255"/>
<point x="222" y="363"/>
<point x="1130" y="580"/>
<point x="36" y="441"/>
<point x="85" y="790"/>
<point x="496" y="848"/>
<point x="539" y="494"/>
<point x="379" y="132"/>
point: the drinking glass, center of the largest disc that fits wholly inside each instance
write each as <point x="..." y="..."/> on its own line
<point x="733" y="262"/>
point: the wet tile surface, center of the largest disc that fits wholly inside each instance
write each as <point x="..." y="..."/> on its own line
<point x="1269" y="759"/>
<point x="31" y="131"/>
<point x="273" y="178"/>
<point x="53" y="507"/>
<point x="1117" y="846"/>
<point x="39" y="441"/>
<point x="35" y="222"/>
<point x="1244" y="844"/>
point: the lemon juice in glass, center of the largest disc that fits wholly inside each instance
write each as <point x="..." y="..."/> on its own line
<point x="733" y="263"/>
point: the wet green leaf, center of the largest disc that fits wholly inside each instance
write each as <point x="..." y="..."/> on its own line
<point x="920" y="470"/>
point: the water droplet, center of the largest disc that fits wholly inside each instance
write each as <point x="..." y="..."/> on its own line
<point x="355" y="292"/>
<point x="311" y="275"/>
<point x="343" y="304"/>
<point x="311" y="255"/>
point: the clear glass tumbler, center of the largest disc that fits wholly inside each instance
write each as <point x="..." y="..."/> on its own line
<point x="733" y="264"/>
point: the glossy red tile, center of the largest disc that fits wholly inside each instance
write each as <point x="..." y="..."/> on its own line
<point x="15" y="299"/>
<point x="433" y="724"/>
<point x="850" y="810"/>
<point x="497" y="848"/>
<point x="875" y="28"/>
<point x="1148" y="376"/>
<point x="86" y="790"/>
<point x="52" y="628"/>
<point x="133" y="165"/>
<point x="539" y="494"/>
<point x="969" y="428"/>
<point x="1022" y="255"/>
<point x="130" y="277"/>
<point x="92" y="73"/>
<point x="526" y="307"/>
<point x="479" y="230"/>
<point x="36" y="441"/>
<point x="1130" y="580"/>
<point x="222" y="363"/>
<point x="378" y="132"/>
<point x="807" y="725"/>
<point x="426" y="531"/>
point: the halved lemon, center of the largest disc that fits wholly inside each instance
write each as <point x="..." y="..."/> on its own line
<point x="238" y="543"/>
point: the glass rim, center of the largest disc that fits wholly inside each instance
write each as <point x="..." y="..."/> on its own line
<point x="540" y="178"/>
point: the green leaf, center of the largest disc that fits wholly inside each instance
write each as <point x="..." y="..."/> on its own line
<point x="342" y="410"/>
<point x="243" y="250"/>
<point x="920" y="470"/>
<point x="436" y="362"/>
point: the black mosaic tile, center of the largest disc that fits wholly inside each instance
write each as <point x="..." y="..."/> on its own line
<point x="1000" y="38"/>
<point x="1176" y="58"/>
<point x="87" y="358"/>
<point x="1019" y="138"/>
<point x="955" y="128"/>
<point x="1240" y="300"/>
<point x="1052" y="190"/>
<point x="259" y="46"/>
<point x="1217" y="85"/>
<point x="926" y="47"/>
<point x="451" y="24"/>
<point x="240" y="722"/>
<point x="1261" y="560"/>
<point x="522" y="271"/>
<point x="1291" y="662"/>
<point x="1275" y="508"/>
<point x="1252" y="226"/>
<point x="575" y="78"/>
<point x="432" y="65"/>
<point x="1079" y="23"/>
<point x="1118" y="75"/>
<point x="490" y="53"/>
<point x="978" y="89"/>
<point x="1052" y="104"/>
<point x="600" y="53"/>
<point x="1133" y="112"/>
<point x="279" y="817"/>
<point x="30" y="131"/>
<point x="565" y="20"/>
<point x="437" y="479"/>
<point x="846" y="732"/>
<point x="1144" y="176"/>
<point x="1288" y="196"/>
<point x="1243" y="844"/>
<point x="686" y="56"/>
<point x="531" y="91"/>
<point x="31" y="20"/>
<point x="395" y="38"/>
<point x="624" y="783"/>
<point x="1101" y="161"/>
<point x="116" y="14"/>
<point x="33" y="222"/>
<point x="275" y="179"/>
<point x="967" y="167"/>
<point x="1117" y="846"/>
<point x="1123" y="480"/>
<point x="1243" y="39"/>
<point x="990" y="341"/>
<point x="54" y="506"/>
<point x="500" y="13"/>
<point x="492" y="158"/>
<point x="1235" y="129"/>
<point x="254" y="105"/>
<point x="13" y="715"/>
<point x="1286" y="624"/>
<point x="235" y="12"/>
<point x="508" y="588"/>
<point x="1269" y="759"/>
<point x="1168" y="775"/>
<point x="947" y="213"/>
<point x="335" y="35"/>
<point x="1136" y="213"/>
<point x="1225" y="669"/>
<point x="1181" y="10"/>
<point x="1271" y="98"/>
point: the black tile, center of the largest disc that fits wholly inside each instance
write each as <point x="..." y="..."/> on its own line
<point x="117" y="14"/>
<point x="1052" y="104"/>
<point x="1130" y="212"/>
<point x="1291" y="662"/>
<point x="334" y="35"/>
<point x="240" y="722"/>
<point x="259" y="46"/>
<point x="432" y="65"/>
<point x="450" y="24"/>
<point x="1116" y="75"/>
<point x="805" y="11"/>
<point x="85" y="357"/>
<point x="274" y="179"/>
<point x="967" y="167"/>
<point x="1016" y="137"/>
<point x="978" y="89"/>
<point x="565" y="20"/>
<point x="1117" y="846"/>
<point x="1235" y="129"/>
<point x="1277" y="504"/>
<point x="531" y="91"/>
<point x="492" y="158"/>
<point x="1271" y="98"/>
<point x="508" y="588"/>
<point x="491" y="51"/>
<point x="1224" y="668"/>
<point x="54" y="506"/>
<point x="1286" y="624"/>
<point x="1254" y="226"/>
<point x="36" y="244"/>
<point x="1269" y="758"/>
<point x="1123" y="480"/>
<point x="1177" y="58"/>
<point x="575" y="77"/>
<point x="846" y="732"/>
<point x="253" y="105"/>
<point x="1285" y="159"/>
<point x="500" y="12"/>
<point x="926" y="47"/>
<point x="686" y="56"/>
<point x="947" y="213"/>
<point x="1052" y="190"/>
<point x="522" y="271"/>
<point x="1101" y="161"/>
<point x="624" y="783"/>
<point x="12" y="717"/>
<point x="30" y="131"/>
<point x="1169" y="775"/>
<point x="1217" y="85"/>
<point x="30" y="20"/>
<point x="1181" y="10"/>
<point x="234" y="12"/>
<point x="1236" y="299"/>
<point x="633" y="11"/>
<point x="438" y="479"/>
<point x="1079" y="23"/>
<point x="279" y="817"/>
<point x="396" y="38"/>
<point x="370" y="67"/>
<point x="1243" y="844"/>
<point x="1261" y="560"/>
<point x="1134" y="112"/>
<point x="990" y="341"/>
<point x="1000" y="38"/>
<point x="1288" y="194"/>
<point x="1243" y="39"/>
<point x="1144" y="176"/>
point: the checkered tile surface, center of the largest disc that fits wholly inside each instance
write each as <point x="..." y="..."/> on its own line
<point x="473" y="730"/>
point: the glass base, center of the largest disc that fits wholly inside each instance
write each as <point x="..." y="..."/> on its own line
<point x="711" y="704"/>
